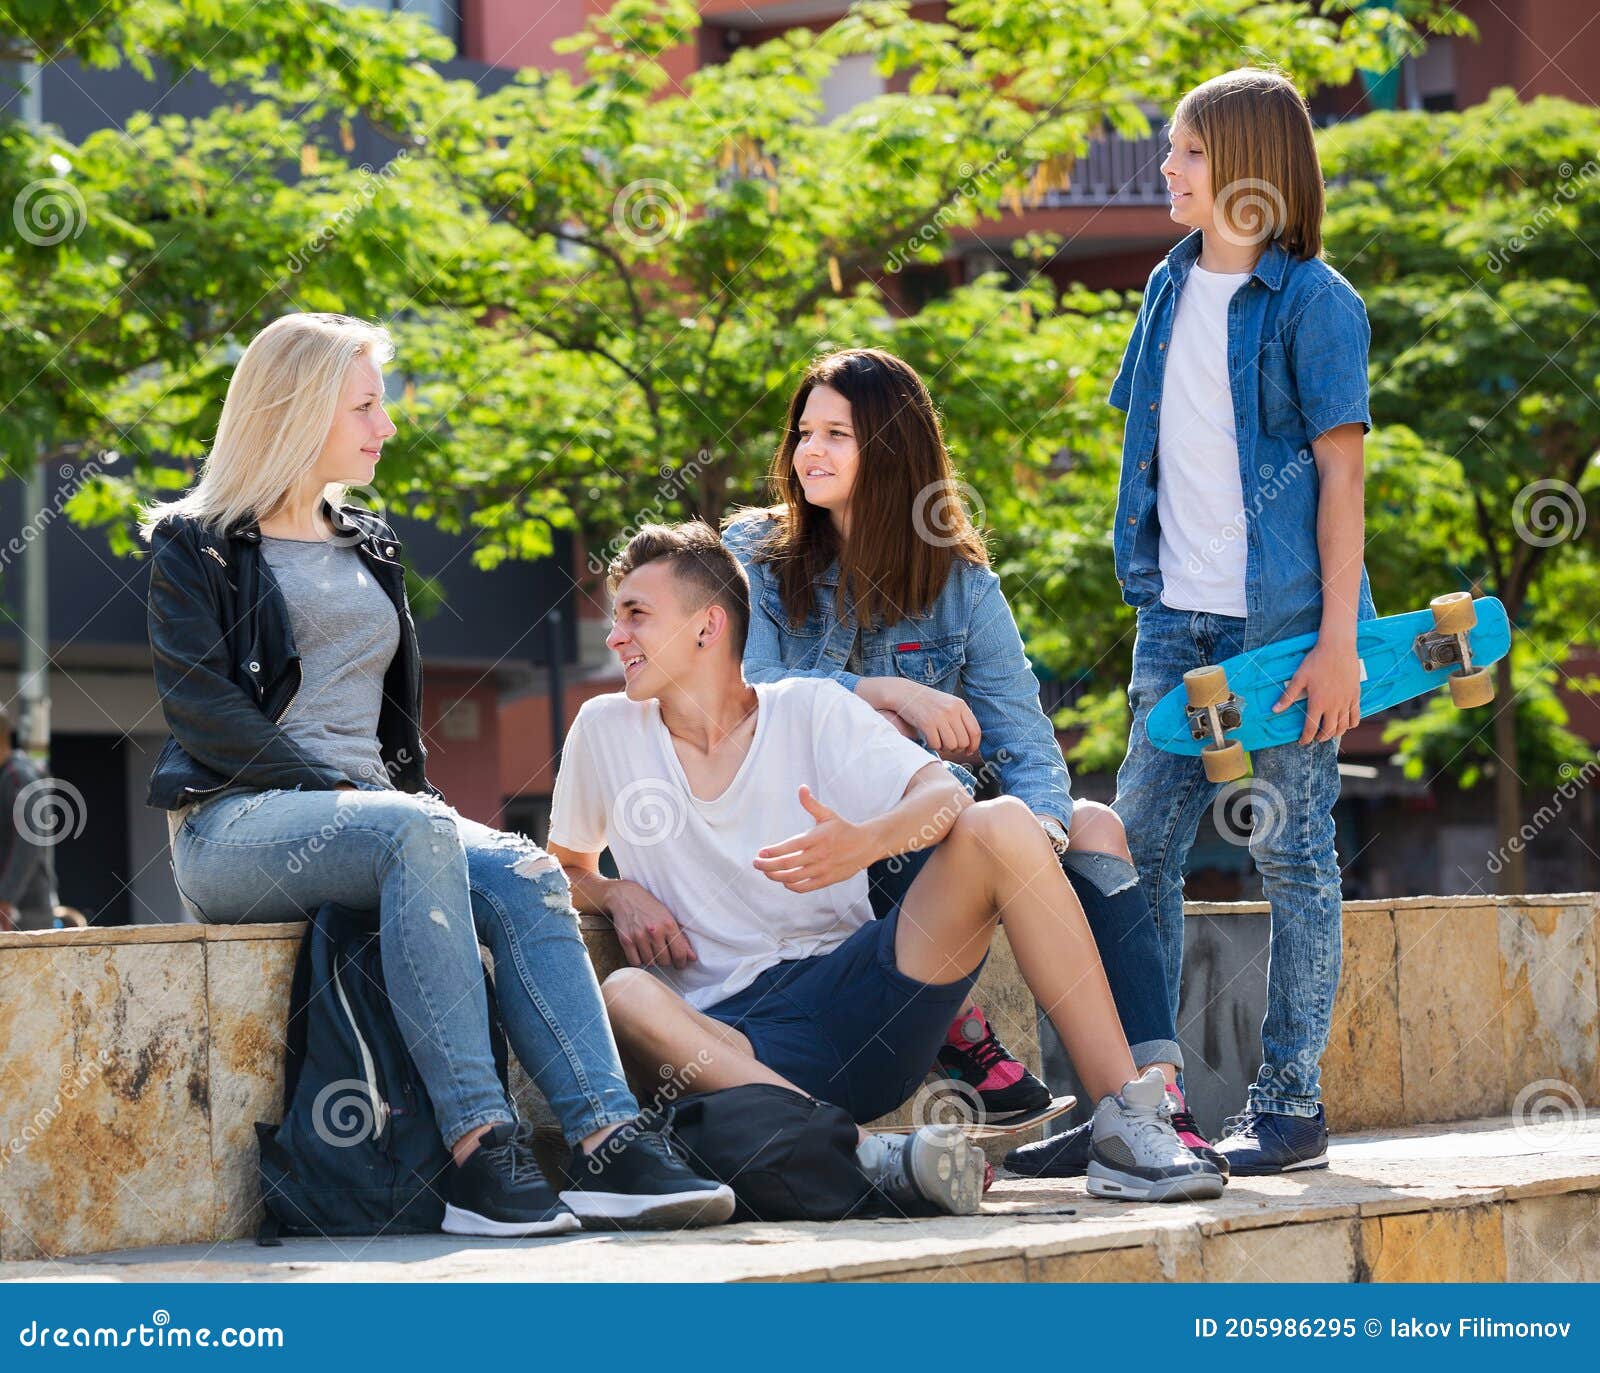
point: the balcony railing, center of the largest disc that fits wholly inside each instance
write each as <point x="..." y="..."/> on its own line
<point x="1115" y="171"/>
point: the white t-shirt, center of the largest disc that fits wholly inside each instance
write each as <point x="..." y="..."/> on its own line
<point x="621" y="785"/>
<point x="1199" y="500"/>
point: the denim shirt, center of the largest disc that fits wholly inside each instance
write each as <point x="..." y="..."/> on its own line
<point x="967" y="645"/>
<point x="1297" y="367"/>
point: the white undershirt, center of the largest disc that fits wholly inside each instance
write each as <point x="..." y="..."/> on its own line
<point x="1199" y="501"/>
<point x="622" y="786"/>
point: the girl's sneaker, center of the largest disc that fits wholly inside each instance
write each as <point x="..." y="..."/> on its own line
<point x="635" y="1179"/>
<point x="972" y="1054"/>
<point x="1065" y="1155"/>
<point x="1183" y="1123"/>
<point x="500" y="1191"/>
<point x="1135" y="1155"/>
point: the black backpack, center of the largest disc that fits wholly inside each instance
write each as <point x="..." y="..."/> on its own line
<point x="358" y="1151"/>
<point x="786" y="1156"/>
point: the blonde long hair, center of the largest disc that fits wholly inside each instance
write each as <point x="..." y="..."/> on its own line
<point x="279" y="408"/>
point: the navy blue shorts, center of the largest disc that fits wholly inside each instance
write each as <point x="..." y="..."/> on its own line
<point x="847" y="1026"/>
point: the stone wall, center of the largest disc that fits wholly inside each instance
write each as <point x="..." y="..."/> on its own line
<point x="1449" y="1008"/>
<point x="134" y="1063"/>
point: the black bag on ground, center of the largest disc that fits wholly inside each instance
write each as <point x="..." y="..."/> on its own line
<point x="358" y="1151"/>
<point x="786" y="1156"/>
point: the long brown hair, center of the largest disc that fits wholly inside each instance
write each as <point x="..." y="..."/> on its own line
<point x="1262" y="152"/>
<point x="908" y="526"/>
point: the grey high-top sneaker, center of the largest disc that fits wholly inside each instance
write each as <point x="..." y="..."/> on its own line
<point x="937" y="1165"/>
<point x="1136" y="1155"/>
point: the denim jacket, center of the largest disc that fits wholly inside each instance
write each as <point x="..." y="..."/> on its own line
<point x="967" y="645"/>
<point x="1297" y="365"/>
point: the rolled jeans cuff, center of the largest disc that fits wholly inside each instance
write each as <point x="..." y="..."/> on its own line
<point x="1149" y="1051"/>
<point x="1282" y="1106"/>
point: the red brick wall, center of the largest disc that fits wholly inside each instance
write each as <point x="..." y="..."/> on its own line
<point x="466" y="770"/>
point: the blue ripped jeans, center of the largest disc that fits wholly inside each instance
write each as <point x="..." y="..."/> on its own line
<point x="440" y="883"/>
<point x="1161" y="798"/>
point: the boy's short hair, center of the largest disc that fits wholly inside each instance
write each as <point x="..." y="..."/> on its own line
<point x="698" y="558"/>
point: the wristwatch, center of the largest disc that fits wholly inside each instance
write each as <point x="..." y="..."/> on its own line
<point x="1056" y="831"/>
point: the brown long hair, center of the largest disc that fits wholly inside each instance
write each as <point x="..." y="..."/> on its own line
<point x="1262" y="153"/>
<point x="908" y="526"/>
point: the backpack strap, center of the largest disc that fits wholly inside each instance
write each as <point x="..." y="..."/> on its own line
<point x="299" y="1000"/>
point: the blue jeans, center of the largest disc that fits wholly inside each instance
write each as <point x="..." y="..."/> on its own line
<point x="440" y="883"/>
<point x="1124" y="931"/>
<point x="1161" y="797"/>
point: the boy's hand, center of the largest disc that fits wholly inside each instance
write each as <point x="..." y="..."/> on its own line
<point x="1329" y="678"/>
<point x="829" y="852"/>
<point x="646" y="929"/>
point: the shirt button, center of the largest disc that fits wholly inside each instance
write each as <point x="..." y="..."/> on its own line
<point x="1160" y="347"/>
<point x="389" y="549"/>
<point x="1143" y="465"/>
<point x="1132" y="520"/>
<point x="1152" y="405"/>
<point x="255" y="667"/>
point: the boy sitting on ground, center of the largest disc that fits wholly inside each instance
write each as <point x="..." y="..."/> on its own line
<point x="765" y="962"/>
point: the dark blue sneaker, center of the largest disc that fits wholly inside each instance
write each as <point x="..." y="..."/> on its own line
<point x="1061" y="1156"/>
<point x="1260" y="1142"/>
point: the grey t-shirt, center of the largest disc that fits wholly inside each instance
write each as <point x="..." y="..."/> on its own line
<point x="347" y="632"/>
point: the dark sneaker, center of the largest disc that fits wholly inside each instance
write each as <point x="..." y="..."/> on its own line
<point x="635" y="1179"/>
<point x="1260" y="1142"/>
<point x="971" y="1054"/>
<point x="936" y="1166"/>
<point x="1188" y="1132"/>
<point x="1061" y="1156"/>
<point x="1137" y="1156"/>
<point x="499" y="1190"/>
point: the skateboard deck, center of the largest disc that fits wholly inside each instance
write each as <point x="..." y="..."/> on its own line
<point x="993" y="1128"/>
<point x="1395" y="653"/>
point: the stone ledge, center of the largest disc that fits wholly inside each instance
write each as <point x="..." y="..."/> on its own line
<point x="134" y="1062"/>
<point x="1483" y="1201"/>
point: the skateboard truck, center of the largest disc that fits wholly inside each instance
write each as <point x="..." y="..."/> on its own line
<point x="1446" y="645"/>
<point x="1213" y="710"/>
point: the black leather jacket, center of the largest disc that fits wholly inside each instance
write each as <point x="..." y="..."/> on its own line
<point x="227" y="669"/>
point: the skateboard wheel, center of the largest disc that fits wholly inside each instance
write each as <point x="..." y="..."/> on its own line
<point x="1475" y="688"/>
<point x="1223" y="762"/>
<point x="1453" y="613"/>
<point x="1207" y="686"/>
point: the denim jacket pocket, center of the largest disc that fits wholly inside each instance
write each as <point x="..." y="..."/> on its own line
<point x="1280" y="400"/>
<point x="934" y="664"/>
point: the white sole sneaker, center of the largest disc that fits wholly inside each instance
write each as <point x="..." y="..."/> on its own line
<point x="654" y="1211"/>
<point x="460" y="1222"/>
<point x="1115" y="1185"/>
<point x="947" y="1168"/>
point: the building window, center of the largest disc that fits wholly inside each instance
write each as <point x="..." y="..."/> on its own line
<point x="444" y="15"/>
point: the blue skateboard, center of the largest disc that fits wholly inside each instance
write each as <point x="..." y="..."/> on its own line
<point x="1224" y="710"/>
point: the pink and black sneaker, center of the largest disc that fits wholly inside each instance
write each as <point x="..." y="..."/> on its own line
<point x="971" y="1054"/>
<point x="1183" y="1123"/>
